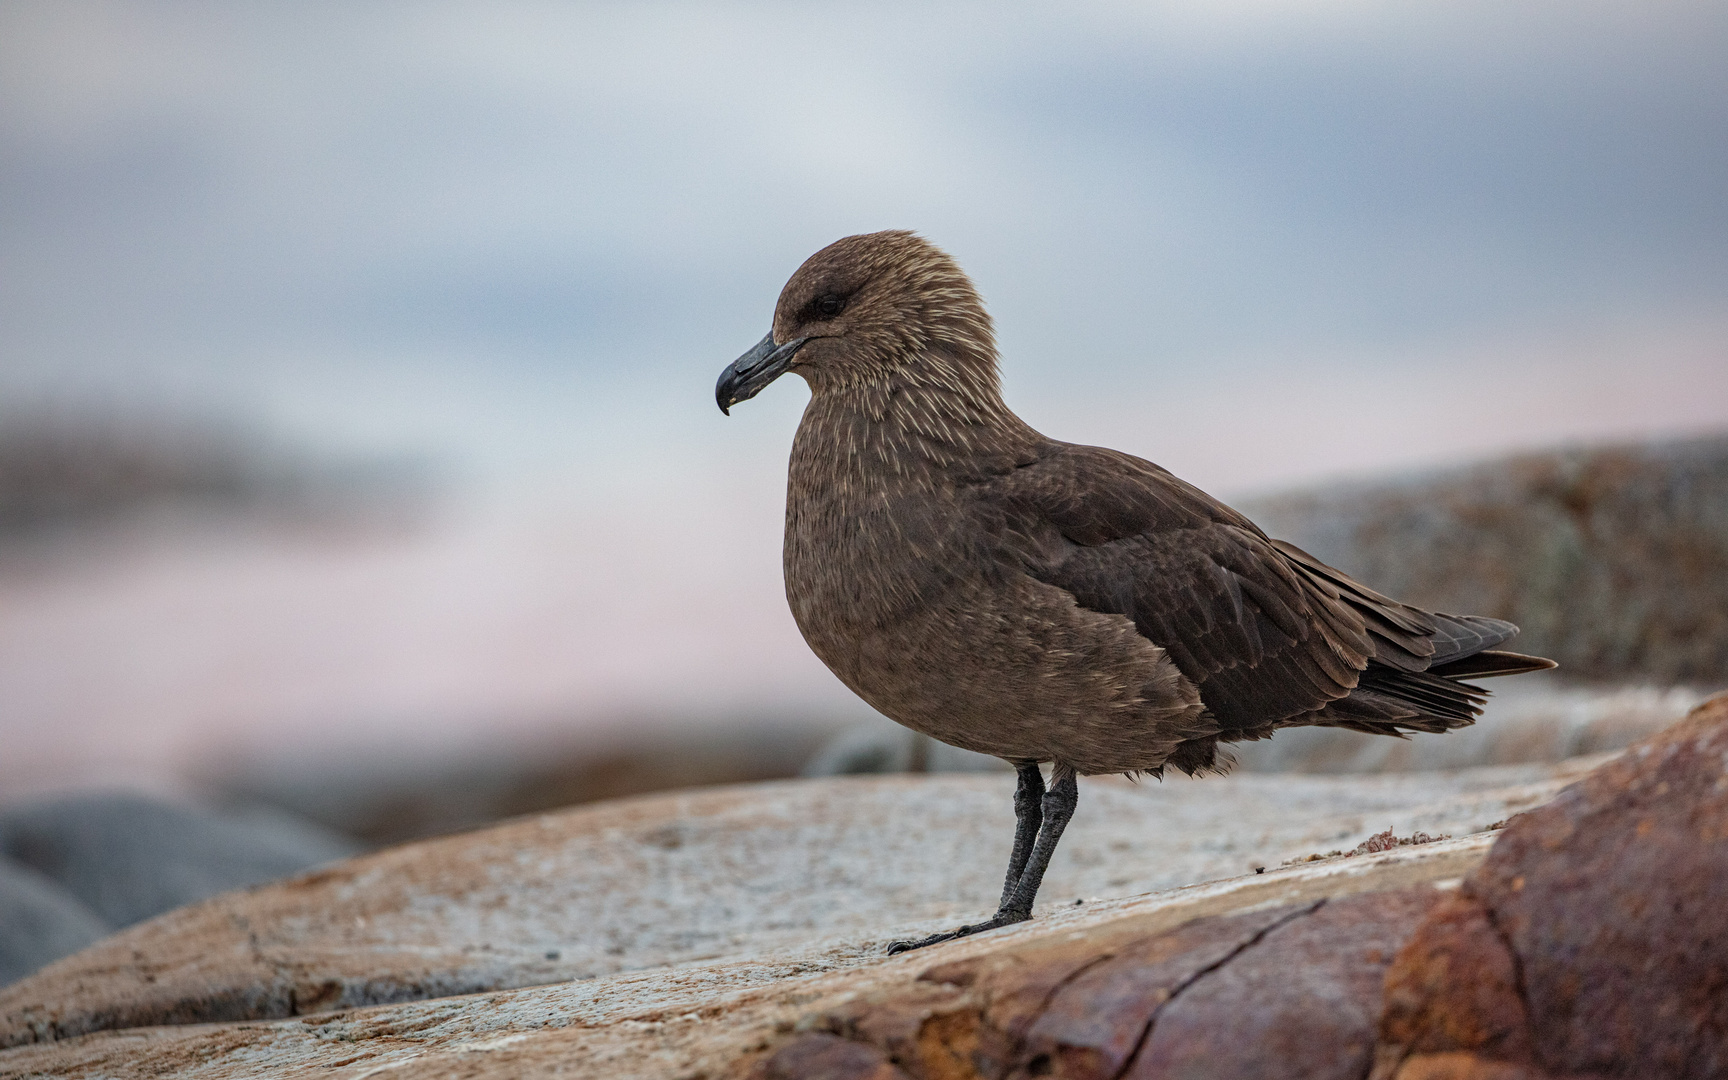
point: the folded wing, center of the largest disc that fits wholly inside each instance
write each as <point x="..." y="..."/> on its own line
<point x="1270" y="635"/>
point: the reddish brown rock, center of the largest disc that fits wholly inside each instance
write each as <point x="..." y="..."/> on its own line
<point x="1594" y="938"/>
<point x="1095" y="1025"/>
<point x="821" y="1056"/>
<point x="1304" y="1001"/>
<point x="1455" y="985"/>
<point x="1286" y="991"/>
<point x="1460" y="1066"/>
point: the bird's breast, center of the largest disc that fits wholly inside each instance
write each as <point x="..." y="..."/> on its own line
<point x="860" y="561"/>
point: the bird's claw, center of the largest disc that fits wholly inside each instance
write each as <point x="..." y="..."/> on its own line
<point x="895" y="948"/>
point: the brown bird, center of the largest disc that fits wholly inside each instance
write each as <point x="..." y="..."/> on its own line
<point x="1044" y="601"/>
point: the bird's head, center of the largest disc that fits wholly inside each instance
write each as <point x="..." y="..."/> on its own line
<point x="886" y="308"/>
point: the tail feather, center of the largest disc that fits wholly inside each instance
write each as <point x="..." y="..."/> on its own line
<point x="1433" y="695"/>
<point x="1405" y="637"/>
<point x="1489" y="663"/>
<point x="1458" y="636"/>
<point x="1414" y="681"/>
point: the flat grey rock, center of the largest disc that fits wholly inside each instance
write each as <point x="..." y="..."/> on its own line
<point x="127" y="857"/>
<point x="40" y="922"/>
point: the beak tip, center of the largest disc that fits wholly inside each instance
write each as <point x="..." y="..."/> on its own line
<point x="745" y="377"/>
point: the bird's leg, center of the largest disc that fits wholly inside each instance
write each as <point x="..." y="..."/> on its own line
<point x="1028" y="816"/>
<point x="1058" y="807"/>
<point x="1039" y="813"/>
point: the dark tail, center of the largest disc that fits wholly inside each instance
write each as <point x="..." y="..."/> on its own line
<point x="1415" y="680"/>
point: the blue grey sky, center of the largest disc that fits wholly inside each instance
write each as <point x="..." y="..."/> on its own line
<point x="1257" y="241"/>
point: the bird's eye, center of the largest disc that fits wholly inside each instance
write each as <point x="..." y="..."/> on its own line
<point x="829" y="306"/>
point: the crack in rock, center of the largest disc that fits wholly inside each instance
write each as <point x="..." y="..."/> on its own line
<point x="1179" y="988"/>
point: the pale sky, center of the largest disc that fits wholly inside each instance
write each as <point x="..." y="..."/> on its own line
<point x="1257" y="241"/>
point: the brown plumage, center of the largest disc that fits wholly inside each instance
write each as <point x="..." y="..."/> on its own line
<point x="1044" y="601"/>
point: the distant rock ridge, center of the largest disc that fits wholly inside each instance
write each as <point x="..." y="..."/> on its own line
<point x="1613" y="559"/>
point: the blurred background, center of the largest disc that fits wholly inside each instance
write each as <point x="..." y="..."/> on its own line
<point x="358" y="452"/>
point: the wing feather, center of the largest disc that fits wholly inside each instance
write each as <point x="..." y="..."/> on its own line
<point x="1269" y="634"/>
<point x="1262" y="640"/>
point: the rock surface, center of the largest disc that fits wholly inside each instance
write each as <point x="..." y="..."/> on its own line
<point x="1589" y="943"/>
<point x="1288" y="990"/>
<point x="714" y="1018"/>
<point x="1594" y="939"/>
<point x="796" y="868"/>
<point x="1613" y="560"/>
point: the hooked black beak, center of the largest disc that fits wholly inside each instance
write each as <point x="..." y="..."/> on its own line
<point x="745" y="377"/>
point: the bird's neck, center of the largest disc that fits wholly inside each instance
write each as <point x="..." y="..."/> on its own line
<point x="900" y="433"/>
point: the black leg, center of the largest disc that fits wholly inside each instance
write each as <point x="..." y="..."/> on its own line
<point x="1028" y="816"/>
<point x="1059" y="804"/>
<point x="1043" y="816"/>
